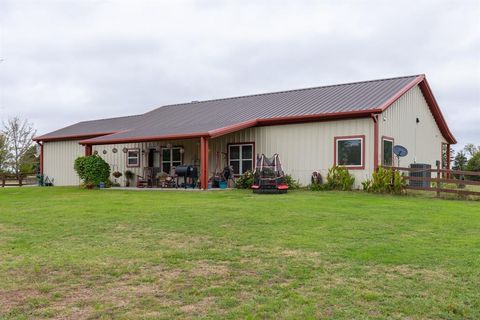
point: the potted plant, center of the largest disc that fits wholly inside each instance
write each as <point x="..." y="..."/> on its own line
<point x="116" y="174"/>
<point x="129" y="176"/>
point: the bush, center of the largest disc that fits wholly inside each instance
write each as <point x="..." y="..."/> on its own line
<point x="292" y="183"/>
<point x="385" y="181"/>
<point x="245" y="181"/>
<point x="473" y="164"/>
<point x="92" y="170"/>
<point x="129" y="175"/>
<point x="338" y="178"/>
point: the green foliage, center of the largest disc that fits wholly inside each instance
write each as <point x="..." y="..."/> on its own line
<point x="92" y="170"/>
<point x="29" y="163"/>
<point x="245" y="181"/>
<point x="460" y="161"/>
<point x="129" y="175"/>
<point x="338" y="178"/>
<point x="474" y="165"/>
<point x="385" y="181"/>
<point x="292" y="183"/>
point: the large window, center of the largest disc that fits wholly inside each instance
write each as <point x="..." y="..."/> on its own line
<point x="171" y="157"/>
<point x="349" y="151"/>
<point x="240" y="157"/>
<point x="133" y="157"/>
<point x="387" y="151"/>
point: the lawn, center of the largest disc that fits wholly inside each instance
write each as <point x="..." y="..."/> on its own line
<point x="71" y="253"/>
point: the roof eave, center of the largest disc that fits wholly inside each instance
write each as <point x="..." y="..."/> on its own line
<point x="72" y="137"/>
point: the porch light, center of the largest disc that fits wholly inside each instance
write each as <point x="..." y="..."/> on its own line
<point x="169" y="145"/>
<point x="182" y="150"/>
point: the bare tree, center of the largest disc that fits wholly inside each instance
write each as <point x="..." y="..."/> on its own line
<point x="4" y="154"/>
<point x="18" y="134"/>
<point x="471" y="149"/>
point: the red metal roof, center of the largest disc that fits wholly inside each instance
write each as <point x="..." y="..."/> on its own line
<point x="217" y="117"/>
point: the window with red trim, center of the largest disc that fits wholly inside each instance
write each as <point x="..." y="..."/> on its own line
<point x="349" y="151"/>
<point x="240" y="157"/>
<point x="133" y="157"/>
<point x="387" y="152"/>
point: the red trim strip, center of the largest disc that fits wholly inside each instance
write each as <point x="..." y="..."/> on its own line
<point x="436" y="112"/>
<point x="146" y="138"/>
<point x="336" y="138"/>
<point x="73" y="137"/>
<point x="400" y="93"/>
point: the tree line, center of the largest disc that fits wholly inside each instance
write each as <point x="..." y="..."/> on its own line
<point x="467" y="158"/>
<point x="18" y="152"/>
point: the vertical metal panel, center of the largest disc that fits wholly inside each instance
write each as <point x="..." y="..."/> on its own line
<point x="303" y="148"/>
<point x="423" y="140"/>
<point x="59" y="157"/>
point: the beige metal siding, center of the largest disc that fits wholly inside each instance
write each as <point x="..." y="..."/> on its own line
<point x="423" y="140"/>
<point x="58" y="161"/>
<point x="303" y="148"/>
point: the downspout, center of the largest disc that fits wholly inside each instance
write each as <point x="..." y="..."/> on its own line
<point x="375" y="117"/>
<point x="41" y="156"/>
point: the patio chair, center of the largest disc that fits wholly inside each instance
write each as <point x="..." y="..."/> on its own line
<point x="146" y="180"/>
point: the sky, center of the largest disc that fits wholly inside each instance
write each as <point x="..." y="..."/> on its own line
<point x="63" y="62"/>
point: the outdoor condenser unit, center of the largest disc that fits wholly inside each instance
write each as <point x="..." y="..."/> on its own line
<point x="420" y="174"/>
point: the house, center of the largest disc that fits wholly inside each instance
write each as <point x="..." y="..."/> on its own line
<point x="353" y="124"/>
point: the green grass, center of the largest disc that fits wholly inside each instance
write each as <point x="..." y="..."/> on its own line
<point x="71" y="253"/>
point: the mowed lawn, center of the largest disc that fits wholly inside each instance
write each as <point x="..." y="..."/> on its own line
<point x="71" y="253"/>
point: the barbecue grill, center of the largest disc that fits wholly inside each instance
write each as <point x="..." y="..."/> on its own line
<point x="189" y="174"/>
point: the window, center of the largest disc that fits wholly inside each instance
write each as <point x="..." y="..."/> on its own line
<point x="349" y="151"/>
<point x="387" y="151"/>
<point x="171" y="157"/>
<point x="133" y="158"/>
<point x="240" y="157"/>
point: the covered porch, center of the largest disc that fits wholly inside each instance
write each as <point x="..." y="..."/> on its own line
<point x="155" y="164"/>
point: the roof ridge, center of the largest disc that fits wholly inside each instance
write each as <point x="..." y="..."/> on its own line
<point x="284" y="91"/>
<point x="130" y="116"/>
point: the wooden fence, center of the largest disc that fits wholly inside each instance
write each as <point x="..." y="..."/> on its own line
<point x="12" y="180"/>
<point x="440" y="178"/>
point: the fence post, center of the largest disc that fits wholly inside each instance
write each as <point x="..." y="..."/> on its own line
<point x="438" y="179"/>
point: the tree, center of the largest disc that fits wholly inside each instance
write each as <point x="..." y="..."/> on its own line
<point x="4" y="155"/>
<point x="471" y="149"/>
<point x="18" y="134"/>
<point x="460" y="161"/>
<point x="473" y="164"/>
<point x="30" y="163"/>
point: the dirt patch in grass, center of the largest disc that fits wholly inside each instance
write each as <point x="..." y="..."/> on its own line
<point x="199" y="307"/>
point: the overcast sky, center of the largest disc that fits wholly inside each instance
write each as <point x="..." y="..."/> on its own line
<point x="68" y="61"/>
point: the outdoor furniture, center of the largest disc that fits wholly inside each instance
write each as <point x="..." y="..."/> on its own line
<point x="145" y="181"/>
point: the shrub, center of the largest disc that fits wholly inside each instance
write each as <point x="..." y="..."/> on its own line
<point x="92" y="170"/>
<point x="473" y="164"/>
<point x="338" y="178"/>
<point x="292" y="183"/>
<point x="385" y="181"/>
<point x="245" y="181"/>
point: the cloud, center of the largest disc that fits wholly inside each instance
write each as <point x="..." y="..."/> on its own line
<point x="68" y="61"/>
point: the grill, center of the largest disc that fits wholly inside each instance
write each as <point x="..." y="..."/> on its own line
<point x="421" y="174"/>
<point x="189" y="174"/>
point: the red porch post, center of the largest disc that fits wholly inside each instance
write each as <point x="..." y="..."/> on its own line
<point x="204" y="162"/>
<point x="88" y="150"/>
